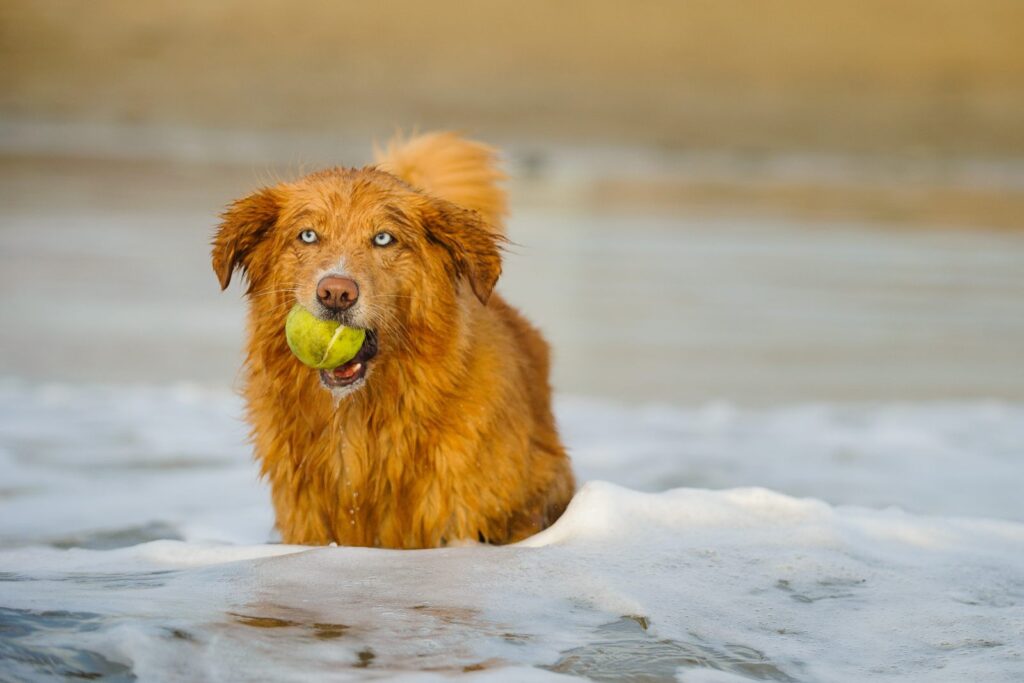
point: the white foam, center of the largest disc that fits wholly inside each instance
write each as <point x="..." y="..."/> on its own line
<point x="702" y="585"/>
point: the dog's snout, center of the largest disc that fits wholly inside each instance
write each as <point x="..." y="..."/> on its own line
<point x="337" y="293"/>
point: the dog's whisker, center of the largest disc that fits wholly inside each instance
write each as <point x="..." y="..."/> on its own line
<point x="273" y="290"/>
<point x="392" y="325"/>
<point x="395" y="328"/>
<point x="390" y="331"/>
<point x="256" y="295"/>
<point x="280" y="299"/>
<point x="388" y="319"/>
<point x="280" y="307"/>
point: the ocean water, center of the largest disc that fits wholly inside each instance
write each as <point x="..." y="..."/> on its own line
<point x="803" y="543"/>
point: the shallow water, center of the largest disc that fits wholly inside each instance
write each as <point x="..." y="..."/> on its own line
<point x="133" y="543"/>
<point x="627" y="652"/>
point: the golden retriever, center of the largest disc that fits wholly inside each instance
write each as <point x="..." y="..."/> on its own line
<point x="440" y="430"/>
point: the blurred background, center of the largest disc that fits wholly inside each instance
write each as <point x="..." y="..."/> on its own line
<point x="761" y="202"/>
<point x="773" y="243"/>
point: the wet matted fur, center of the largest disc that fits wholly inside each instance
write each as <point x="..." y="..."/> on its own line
<point x="449" y="435"/>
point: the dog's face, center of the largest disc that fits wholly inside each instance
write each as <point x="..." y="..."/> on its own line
<point x="363" y="248"/>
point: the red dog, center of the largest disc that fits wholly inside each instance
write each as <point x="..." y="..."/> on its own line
<point x="440" y="429"/>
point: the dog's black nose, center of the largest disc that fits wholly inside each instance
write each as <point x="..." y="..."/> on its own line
<point x="337" y="293"/>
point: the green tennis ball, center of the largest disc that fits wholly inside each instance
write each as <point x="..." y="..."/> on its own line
<point x="321" y="344"/>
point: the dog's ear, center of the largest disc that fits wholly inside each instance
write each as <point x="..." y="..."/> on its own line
<point x="474" y="246"/>
<point x="242" y="226"/>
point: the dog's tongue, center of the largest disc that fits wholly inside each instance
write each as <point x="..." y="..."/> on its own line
<point x="348" y="370"/>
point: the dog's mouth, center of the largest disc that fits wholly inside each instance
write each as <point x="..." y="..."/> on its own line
<point x="351" y="372"/>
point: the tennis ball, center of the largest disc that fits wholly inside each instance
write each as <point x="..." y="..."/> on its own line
<point x="321" y="344"/>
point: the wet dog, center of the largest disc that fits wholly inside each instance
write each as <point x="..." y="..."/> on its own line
<point x="440" y="429"/>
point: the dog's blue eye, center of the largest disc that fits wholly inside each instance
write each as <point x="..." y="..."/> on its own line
<point x="383" y="239"/>
<point x="308" y="236"/>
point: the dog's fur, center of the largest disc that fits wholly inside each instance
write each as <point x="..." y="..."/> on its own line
<point x="449" y="436"/>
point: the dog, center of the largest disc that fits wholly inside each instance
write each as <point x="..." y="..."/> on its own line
<point x="440" y="430"/>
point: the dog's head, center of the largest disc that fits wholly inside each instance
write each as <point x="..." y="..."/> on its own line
<point x="363" y="248"/>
